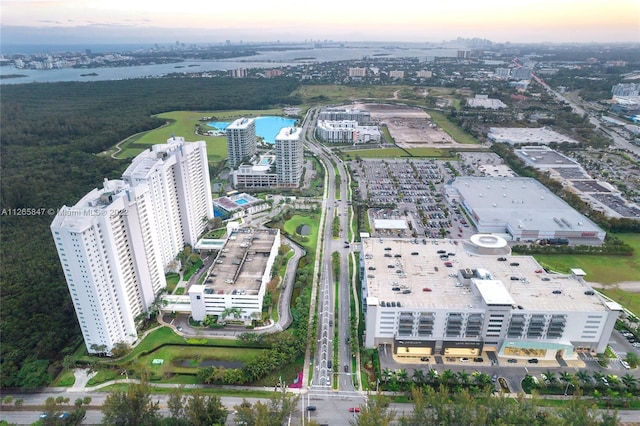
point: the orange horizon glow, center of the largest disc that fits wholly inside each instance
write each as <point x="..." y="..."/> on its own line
<point x="571" y="20"/>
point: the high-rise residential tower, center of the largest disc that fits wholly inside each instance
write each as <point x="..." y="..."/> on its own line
<point x="177" y="174"/>
<point x="108" y="246"/>
<point x="116" y="242"/>
<point x="241" y="141"/>
<point x="289" y="156"/>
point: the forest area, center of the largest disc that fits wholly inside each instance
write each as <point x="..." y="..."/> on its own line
<point x="51" y="135"/>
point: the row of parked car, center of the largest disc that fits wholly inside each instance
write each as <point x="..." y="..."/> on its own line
<point x="631" y="338"/>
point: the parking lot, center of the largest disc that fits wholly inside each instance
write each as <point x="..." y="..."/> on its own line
<point x="411" y="191"/>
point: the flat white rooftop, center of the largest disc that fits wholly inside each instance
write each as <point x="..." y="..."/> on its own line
<point x="523" y="203"/>
<point x="423" y="281"/>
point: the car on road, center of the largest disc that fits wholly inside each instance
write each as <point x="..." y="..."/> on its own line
<point x="533" y="361"/>
<point x="426" y="289"/>
<point x="354" y="409"/>
<point x="311" y="408"/>
<point x="494" y="378"/>
<point x="179" y="328"/>
<point x="346" y="368"/>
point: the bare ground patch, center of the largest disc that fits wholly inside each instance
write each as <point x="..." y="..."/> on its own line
<point x="410" y="127"/>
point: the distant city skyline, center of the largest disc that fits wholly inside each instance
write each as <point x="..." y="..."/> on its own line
<point x="193" y="21"/>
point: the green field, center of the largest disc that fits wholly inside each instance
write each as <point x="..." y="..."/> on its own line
<point x="601" y="269"/>
<point x="375" y="153"/>
<point x="312" y="220"/>
<point x="183" y="123"/>
<point x="194" y="355"/>
<point x="453" y="130"/>
<point x="607" y="270"/>
<point x="397" y="152"/>
<point x="325" y="94"/>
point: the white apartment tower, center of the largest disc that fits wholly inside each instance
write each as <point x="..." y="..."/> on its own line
<point x="289" y="156"/>
<point x="177" y="174"/>
<point x="108" y="246"/>
<point x="241" y="141"/>
<point x="115" y="243"/>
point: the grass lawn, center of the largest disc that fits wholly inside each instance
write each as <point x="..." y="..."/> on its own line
<point x="66" y="378"/>
<point x="431" y="152"/>
<point x="600" y="269"/>
<point x="604" y="269"/>
<point x="312" y="220"/>
<point x="249" y="393"/>
<point x="453" y="130"/>
<point x="627" y="299"/>
<point x="330" y="93"/>
<point x="172" y="280"/>
<point x="193" y="354"/>
<point x="374" y="153"/>
<point x="183" y="123"/>
<point x="154" y="340"/>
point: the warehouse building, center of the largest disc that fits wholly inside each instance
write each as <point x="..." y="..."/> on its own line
<point x="521" y="209"/>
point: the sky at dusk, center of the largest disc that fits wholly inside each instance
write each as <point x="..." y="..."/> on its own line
<point x="194" y="21"/>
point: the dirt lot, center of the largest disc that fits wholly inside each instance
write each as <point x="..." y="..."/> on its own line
<point x="410" y="127"/>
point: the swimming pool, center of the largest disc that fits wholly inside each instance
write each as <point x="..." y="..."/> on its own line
<point x="241" y="201"/>
<point x="220" y="125"/>
<point x="267" y="127"/>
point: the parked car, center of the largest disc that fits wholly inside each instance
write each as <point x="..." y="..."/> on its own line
<point x="512" y="360"/>
<point x="354" y="409"/>
<point x="533" y="361"/>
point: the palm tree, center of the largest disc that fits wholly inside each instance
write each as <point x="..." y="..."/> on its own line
<point x="386" y="375"/>
<point x="551" y="377"/>
<point x="482" y="379"/>
<point x="613" y="380"/>
<point x="463" y="377"/>
<point x="583" y="377"/>
<point x="566" y="377"/>
<point x="402" y="375"/>
<point x="418" y="376"/>
<point x="629" y="381"/>
<point x="448" y="376"/>
<point x="597" y="377"/>
<point x="433" y="376"/>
